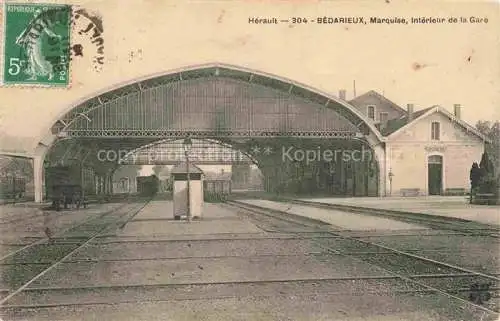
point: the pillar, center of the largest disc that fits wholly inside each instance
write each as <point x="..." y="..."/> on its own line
<point x="383" y="164"/>
<point x="111" y="184"/>
<point x="38" y="178"/>
<point x="101" y="184"/>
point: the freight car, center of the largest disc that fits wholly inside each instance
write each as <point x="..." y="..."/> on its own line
<point x="12" y="187"/>
<point x="216" y="190"/>
<point x="64" y="186"/>
<point x="148" y="185"/>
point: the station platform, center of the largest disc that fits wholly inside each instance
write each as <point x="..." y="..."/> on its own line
<point x="447" y="206"/>
<point x="342" y="220"/>
<point x="158" y="220"/>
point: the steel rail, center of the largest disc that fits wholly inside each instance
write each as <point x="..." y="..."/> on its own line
<point x="59" y="233"/>
<point x="209" y="239"/>
<point x="54" y="238"/>
<point x="453" y="224"/>
<point x="426" y="259"/>
<point x="165" y="258"/>
<point x="48" y="269"/>
<point x="149" y="300"/>
<point x="289" y="217"/>
<point x="21" y="201"/>
<point x="357" y="278"/>
<point x="265" y="211"/>
<point x="393" y="250"/>
<point x="211" y="297"/>
<point x="24" y="218"/>
<point x="392" y="276"/>
<point x="425" y="232"/>
<point x="4" y="222"/>
<point x="187" y="235"/>
<point x="411" y="280"/>
<point x="402" y="234"/>
<point x="132" y="217"/>
<point x="221" y="256"/>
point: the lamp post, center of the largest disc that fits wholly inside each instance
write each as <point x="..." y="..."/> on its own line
<point x="187" y="144"/>
<point x="391" y="174"/>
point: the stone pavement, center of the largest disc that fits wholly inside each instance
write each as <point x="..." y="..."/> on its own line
<point x="448" y="206"/>
<point x="157" y="220"/>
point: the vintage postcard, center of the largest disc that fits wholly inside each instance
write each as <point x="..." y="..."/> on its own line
<point x="249" y="160"/>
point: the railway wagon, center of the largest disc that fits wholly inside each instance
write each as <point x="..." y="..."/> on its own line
<point x="216" y="190"/>
<point x="64" y="186"/>
<point x="148" y="185"/>
<point x="12" y="187"/>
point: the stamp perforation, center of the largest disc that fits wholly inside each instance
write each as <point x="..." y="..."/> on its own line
<point x="33" y="85"/>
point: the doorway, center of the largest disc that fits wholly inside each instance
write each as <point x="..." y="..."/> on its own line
<point x="435" y="174"/>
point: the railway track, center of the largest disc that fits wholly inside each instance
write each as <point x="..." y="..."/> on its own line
<point x="224" y="290"/>
<point x="446" y="279"/>
<point x="11" y="219"/>
<point x="59" y="234"/>
<point x="90" y="230"/>
<point x="434" y="222"/>
<point x="12" y="201"/>
<point x="278" y="227"/>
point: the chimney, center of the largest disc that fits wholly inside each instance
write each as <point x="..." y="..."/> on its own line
<point x="410" y="112"/>
<point x="458" y="111"/>
<point x="342" y="94"/>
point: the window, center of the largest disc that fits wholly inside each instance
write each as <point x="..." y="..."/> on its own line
<point x="435" y="131"/>
<point x="383" y="117"/>
<point x="371" y="112"/>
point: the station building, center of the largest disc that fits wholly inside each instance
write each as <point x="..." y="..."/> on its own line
<point x="428" y="151"/>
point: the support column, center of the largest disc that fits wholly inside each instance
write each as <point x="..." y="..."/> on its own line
<point x="105" y="184"/>
<point x="111" y="184"/>
<point x="101" y="184"/>
<point x="38" y="178"/>
<point x="108" y="184"/>
<point x="38" y="170"/>
<point x="383" y="164"/>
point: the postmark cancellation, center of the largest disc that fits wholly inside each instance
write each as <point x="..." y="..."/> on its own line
<point x="36" y="44"/>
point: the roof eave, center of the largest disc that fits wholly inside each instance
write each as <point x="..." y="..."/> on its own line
<point x="446" y="113"/>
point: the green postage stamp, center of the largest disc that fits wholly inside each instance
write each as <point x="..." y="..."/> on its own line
<point x="36" y="44"/>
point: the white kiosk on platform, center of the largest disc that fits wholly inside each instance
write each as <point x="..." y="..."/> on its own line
<point x="187" y="187"/>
